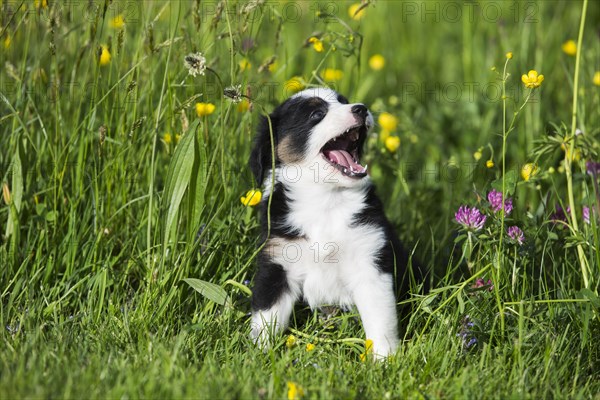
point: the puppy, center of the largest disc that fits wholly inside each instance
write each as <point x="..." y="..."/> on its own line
<point x="327" y="238"/>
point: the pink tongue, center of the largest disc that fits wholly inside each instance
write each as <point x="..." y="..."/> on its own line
<point x="344" y="158"/>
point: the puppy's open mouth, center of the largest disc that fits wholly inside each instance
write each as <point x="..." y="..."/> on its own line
<point x="342" y="152"/>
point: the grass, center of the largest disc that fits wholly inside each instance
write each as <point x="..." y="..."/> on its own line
<point x="115" y="191"/>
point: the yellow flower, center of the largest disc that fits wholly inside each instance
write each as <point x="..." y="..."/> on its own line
<point x="294" y="84"/>
<point x="317" y="44"/>
<point x="273" y="66"/>
<point x="167" y="138"/>
<point x="105" y="56"/>
<point x="295" y="391"/>
<point x="532" y="80"/>
<point x="203" y="109"/>
<point x="489" y="163"/>
<point x="509" y="55"/>
<point x="596" y="78"/>
<point x="244" y="64"/>
<point x="310" y="347"/>
<point x="376" y="62"/>
<point x="569" y="47"/>
<point x="528" y="171"/>
<point x="392" y="143"/>
<point x="352" y="11"/>
<point x="251" y="198"/>
<point x="368" y="350"/>
<point x="331" y="74"/>
<point x="117" y="22"/>
<point x="243" y="106"/>
<point x="477" y="155"/>
<point x="384" y="134"/>
<point x="290" y="341"/>
<point x="387" y="121"/>
<point x="40" y="3"/>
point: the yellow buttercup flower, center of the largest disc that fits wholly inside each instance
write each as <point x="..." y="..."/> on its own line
<point x="243" y="106"/>
<point x="310" y="347"/>
<point x="509" y="55"/>
<point x="295" y="391"/>
<point x="477" y="155"/>
<point x="203" y="109"/>
<point x="384" y="134"/>
<point x="294" y="84"/>
<point x="354" y="13"/>
<point x="244" y="64"/>
<point x="117" y="22"/>
<point x="290" y="341"/>
<point x="387" y="121"/>
<point x="331" y="74"/>
<point x="251" y="198"/>
<point x="532" y="80"/>
<point x="489" y="163"/>
<point x="376" y="62"/>
<point x="105" y="56"/>
<point x="168" y="138"/>
<point x="40" y="3"/>
<point x="596" y="78"/>
<point x="273" y="66"/>
<point x="317" y="44"/>
<point x="368" y="350"/>
<point x="392" y="143"/>
<point x="569" y="47"/>
<point x="528" y="171"/>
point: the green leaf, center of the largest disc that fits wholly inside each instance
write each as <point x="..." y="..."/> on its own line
<point x="209" y="290"/>
<point x="198" y="183"/>
<point x="51" y="216"/>
<point x="461" y="302"/>
<point x="591" y="296"/>
<point x="178" y="177"/>
<point x="510" y="181"/>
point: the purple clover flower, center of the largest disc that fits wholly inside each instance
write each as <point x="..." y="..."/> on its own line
<point x="495" y="199"/>
<point x="516" y="234"/>
<point x="470" y="218"/>
<point x="560" y="215"/>
<point x="586" y="215"/>
<point x="593" y="168"/>
<point x="479" y="282"/>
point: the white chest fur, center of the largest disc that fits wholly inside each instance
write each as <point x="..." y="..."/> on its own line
<point x="333" y="255"/>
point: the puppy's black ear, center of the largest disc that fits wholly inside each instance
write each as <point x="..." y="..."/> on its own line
<point x="260" y="157"/>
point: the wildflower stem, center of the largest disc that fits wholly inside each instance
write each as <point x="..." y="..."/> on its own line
<point x="569" y="154"/>
<point x="500" y="243"/>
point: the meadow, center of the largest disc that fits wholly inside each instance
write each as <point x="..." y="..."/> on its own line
<point x="128" y="231"/>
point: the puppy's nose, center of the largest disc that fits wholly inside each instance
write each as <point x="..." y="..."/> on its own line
<point x="360" y="110"/>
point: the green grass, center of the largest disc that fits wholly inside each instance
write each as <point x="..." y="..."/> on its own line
<point x="92" y="297"/>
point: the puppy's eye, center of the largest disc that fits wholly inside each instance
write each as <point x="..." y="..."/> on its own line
<point x="317" y="115"/>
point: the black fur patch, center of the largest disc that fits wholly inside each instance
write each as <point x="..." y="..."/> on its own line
<point x="280" y="208"/>
<point x="342" y="99"/>
<point x="392" y="257"/>
<point x="270" y="283"/>
<point x="292" y="121"/>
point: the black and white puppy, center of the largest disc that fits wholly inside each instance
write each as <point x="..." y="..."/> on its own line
<point x="327" y="238"/>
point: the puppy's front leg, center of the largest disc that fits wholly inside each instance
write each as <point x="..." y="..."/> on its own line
<point x="376" y="303"/>
<point x="272" y="303"/>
